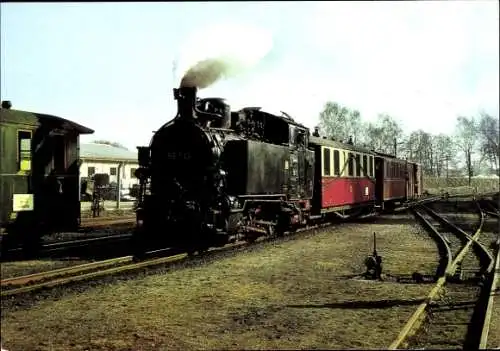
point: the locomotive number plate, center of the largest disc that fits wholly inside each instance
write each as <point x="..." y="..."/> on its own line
<point x="178" y="155"/>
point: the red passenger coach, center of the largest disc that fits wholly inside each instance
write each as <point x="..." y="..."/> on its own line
<point x="397" y="180"/>
<point x="344" y="176"/>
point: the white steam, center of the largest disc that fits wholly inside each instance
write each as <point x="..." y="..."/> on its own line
<point x="221" y="52"/>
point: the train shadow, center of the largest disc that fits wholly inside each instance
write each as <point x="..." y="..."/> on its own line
<point x="453" y="206"/>
<point x="377" y="304"/>
<point x="455" y="306"/>
<point x="491" y="225"/>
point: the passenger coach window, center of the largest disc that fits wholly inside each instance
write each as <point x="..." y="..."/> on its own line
<point x="132" y="173"/>
<point x="370" y="166"/>
<point x="350" y="165"/>
<point x="24" y="150"/>
<point x="326" y="162"/>
<point x="336" y="162"/>
<point x="90" y="171"/>
<point x="358" y="165"/>
<point x="365" y="166"/>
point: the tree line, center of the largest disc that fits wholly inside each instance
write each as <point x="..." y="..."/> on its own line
<point x="471" y="149"/>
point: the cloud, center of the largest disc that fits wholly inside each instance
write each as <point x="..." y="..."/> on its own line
<point x="422" y="62"/>
<point x="409" y="57"/>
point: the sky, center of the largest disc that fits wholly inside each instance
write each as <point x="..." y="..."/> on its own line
<point x="109" y="66"/>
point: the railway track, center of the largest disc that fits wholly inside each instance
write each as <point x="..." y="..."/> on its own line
<point x="103" y="221"/>
<point x="63" y="276"/>
<point x="71" y="246"/>
<point x="456" y="312"/>
<point x="33" y="282"/>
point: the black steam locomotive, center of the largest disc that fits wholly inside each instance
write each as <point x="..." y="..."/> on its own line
<point x="211" y="176"/>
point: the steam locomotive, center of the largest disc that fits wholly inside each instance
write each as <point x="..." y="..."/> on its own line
<point x="211" y="176"/>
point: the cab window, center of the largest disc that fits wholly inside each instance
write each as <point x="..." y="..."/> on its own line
<point x="24" y="150"/>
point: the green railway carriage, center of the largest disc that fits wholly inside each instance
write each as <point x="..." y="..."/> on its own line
<point x="39" y="174"/>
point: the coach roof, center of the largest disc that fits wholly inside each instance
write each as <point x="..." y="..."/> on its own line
<point x="8" y="115"/>
<point x="105" y="152"/>
<point x="339" y="145"/>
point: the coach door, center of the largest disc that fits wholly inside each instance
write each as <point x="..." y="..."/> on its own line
<point x="379" y="182"/>
<point x="297" y="163"/>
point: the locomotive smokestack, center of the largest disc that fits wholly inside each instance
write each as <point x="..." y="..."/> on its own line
<point x="186" y="101"/>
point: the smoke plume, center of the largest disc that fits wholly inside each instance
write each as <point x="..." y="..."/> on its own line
<point x="223" y="52"/>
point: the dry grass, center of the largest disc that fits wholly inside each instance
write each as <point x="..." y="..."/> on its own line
<point x="494" y="333"/>
<point x="17" y="268"/>
<point x="298" y="294"/>
<point x="455" y="186"/>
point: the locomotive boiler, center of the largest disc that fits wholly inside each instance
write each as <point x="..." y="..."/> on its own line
<point x="211" y="176"/>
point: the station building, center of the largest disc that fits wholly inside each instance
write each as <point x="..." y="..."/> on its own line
<point x="112" y="160"/>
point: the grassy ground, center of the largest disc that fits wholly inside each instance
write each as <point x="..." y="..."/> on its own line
<point x="298" y="294"/>
<point x="459" y="185"/>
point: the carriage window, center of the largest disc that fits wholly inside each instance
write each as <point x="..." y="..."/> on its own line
<point x="358" y="165"/>
<point x="132" y="172"/>
<point x="336" y="162"/>
<point x="350" y="165"/>
<point x="326" y="162"/>
<point x="370" y="166"/>
<point x="112" y="171"/>
<point x="365" y="166"/>
<point x="90" y="171"/>
<point x="24" y="150"/>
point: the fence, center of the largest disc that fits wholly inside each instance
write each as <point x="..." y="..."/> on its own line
<point x="109" y="208"/>
<point x="460" y="185"/>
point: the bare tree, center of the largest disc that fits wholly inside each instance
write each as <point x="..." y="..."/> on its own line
<point x="466" y="134"/>
<point x="381" y="134"/>
<point x="354" y="125"/>
<point x="488" y="130"/>
<point x="335" y="121"/>
<point x="443" y="150"/>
